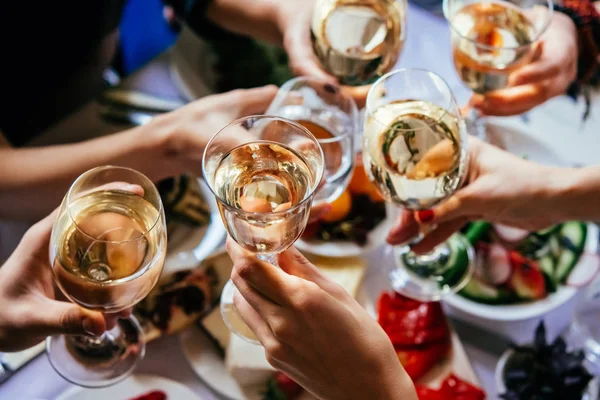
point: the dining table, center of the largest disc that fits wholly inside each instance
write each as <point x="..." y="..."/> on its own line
<point x="557" y="125"/>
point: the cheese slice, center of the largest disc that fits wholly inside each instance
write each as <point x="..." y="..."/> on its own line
<point x="347" y="272"/>
<point x="247" y="362"/>
<point x="216" y="328"/>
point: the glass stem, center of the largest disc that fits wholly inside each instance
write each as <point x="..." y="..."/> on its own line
<point x="476" y="124"/>
<point x="271" y="258"/>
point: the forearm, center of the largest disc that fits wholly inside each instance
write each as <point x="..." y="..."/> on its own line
<point x="256" y="18"/>
<point x="574" y="193"/>
<point x="34" y="180"/>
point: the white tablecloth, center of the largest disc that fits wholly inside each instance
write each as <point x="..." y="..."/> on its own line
<point x="556" y="124"/>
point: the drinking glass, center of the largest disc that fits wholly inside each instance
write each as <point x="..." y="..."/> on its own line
<point x="357" y="41"/>
<point x="491" y="39"/>
<point x="415" y="152"/>
<point x="107" y="251"/>
<point x="332" y="117"/>
<point x="263" y="171"/>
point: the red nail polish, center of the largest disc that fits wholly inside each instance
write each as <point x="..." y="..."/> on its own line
<point x="425" y="216"/>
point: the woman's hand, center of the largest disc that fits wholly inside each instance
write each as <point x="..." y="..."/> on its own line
<point x="549" y="74"/>
<point x="30" y="310"/>
<point x="314" y="331"/>
<point x="181" y="136"/>
<point x="502" y="188"/>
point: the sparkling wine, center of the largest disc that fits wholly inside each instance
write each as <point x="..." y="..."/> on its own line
<point x="103" y="238"/>
<point x="412" y="152"/>
<point x="490" y="39"/>
<point x="266" y="181"/>
<point x="358" y="41"/>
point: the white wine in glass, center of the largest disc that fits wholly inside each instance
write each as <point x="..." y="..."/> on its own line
<point x="357" y="41"/>
<point x="263" y="172"/>
<point x="493" y="38"/>
<point x="415" y="153"/>
<point x="107" y="252"/>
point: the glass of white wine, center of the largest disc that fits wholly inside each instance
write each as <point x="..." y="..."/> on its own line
<point x="415" y="152"/>
<point x="107" y="251"/>
<point x="491" y="39"/>
<point x="264" y="171"/>
<point x="357" y="41"/>
<point x="332" y="117"/>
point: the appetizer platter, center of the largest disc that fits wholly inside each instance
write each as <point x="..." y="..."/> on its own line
<point x="194" y="225"/>
<point x="136" y="387"/>
<point x="358" y="222"/>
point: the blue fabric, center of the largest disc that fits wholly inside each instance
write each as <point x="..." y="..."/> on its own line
<point x="144" y="33"/>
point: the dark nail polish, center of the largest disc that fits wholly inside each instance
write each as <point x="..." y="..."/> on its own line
<point x="330" y="88"/>
<point x="425" y="216"/>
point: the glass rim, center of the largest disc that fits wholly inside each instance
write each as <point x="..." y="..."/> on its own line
<point x="370" y="114"/>
<point x="539" y="33"/>
<point x="313" y="187"/>
<point x="289" y="84"/>
<point x="111" y="167"/>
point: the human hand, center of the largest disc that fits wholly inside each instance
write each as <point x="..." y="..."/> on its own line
<point x="31" y="310"/>
<point x="500" y="188"/>
<point x="552" y="69"/>
<point x="294" y="21"/>
<point x="314" y="331"/>
<point x="180" y="137"/>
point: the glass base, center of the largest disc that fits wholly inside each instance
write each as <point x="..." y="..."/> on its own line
<point x="101" y="361"/>
<point x="432" y="276"/>
<point x="231" y="315"/>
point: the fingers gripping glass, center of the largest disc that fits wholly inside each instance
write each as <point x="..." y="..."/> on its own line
<point x="264" y="172"/>
<point x="332" y="117"/>
<point x="491" y="39"/>
<point x="107" y="251"/>
<point x="415" y="152"/>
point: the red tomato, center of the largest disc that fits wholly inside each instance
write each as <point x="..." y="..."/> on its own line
<point x="418" y="361"/>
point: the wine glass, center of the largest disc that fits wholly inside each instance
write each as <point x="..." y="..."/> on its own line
<point x="357" y="41"/>
<point x="263" y="171"/>
<point x="332" y="117"/>
<point x="415" y="152"/>
<point x="107" y="251"/>
<point x="491" y="39"/>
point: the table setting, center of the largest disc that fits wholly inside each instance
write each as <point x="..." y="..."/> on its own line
<point x="465" y="319"/>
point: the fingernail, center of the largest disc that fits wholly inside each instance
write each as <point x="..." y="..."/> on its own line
<point x="425" y="216"/>
<point x="330" y="88"/>
<point x="88" y="327"/>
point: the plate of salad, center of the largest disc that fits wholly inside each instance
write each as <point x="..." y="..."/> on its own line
<point x="521" y="275"/>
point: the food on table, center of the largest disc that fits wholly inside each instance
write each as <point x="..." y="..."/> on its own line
<point x="247" y="362"/>
<point x="354" y="214"/>
<point x="452" y="388"/>
<point x="154" y="395"/>
<point x="419" y="332"/>
<point x="281" y="387"/>
<point x="545" y="371"/>
<point x="183" y="202"/>
<point x="514" y="265"/>
<point x="179" y="299"/>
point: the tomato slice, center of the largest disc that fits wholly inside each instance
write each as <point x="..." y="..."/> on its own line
<point x="424" y="393"/>
<point x="418" y="361"/>
<point x="461" y="390"/>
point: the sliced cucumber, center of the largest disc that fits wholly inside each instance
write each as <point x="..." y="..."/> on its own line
<point x="547" y="265"/>
<point x="481" y="292"/>
<point x="549" y="231"/>
<point x="572" y="238"/>
<point x="458" y="261"/>
<point x="477" y="230"/>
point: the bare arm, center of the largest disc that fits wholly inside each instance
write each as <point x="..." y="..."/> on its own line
<point x="34" y="180"/>
<point x="577" y="192"/>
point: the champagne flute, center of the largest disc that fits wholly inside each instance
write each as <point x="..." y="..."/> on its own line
<point x="491" y="39"/>
<point x="263" y="171"/>
<point x="415" y="152"/>
<point x="357" y="41"/>
<point x="332" y="117"/>
<point x="107" y="251"/>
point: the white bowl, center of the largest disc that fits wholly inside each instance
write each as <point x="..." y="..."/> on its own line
<point x="517" y="322"/>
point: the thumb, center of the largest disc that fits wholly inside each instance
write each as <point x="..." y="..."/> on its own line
<point x="255" y="101"/>
<point x="457" y="206"/>
<point x="66" y="318"/>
